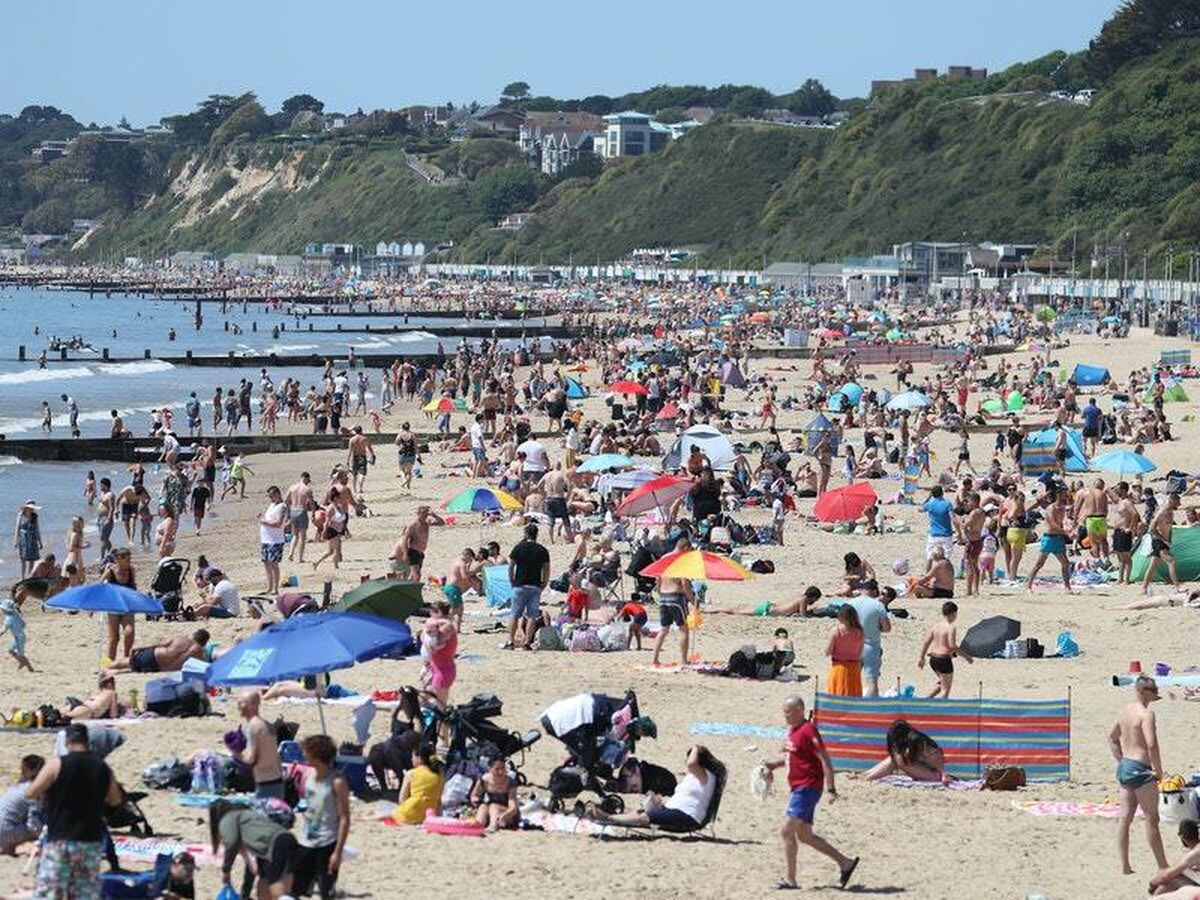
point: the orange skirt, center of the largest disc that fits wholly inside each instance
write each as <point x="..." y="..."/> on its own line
<point x="844" y="678"/>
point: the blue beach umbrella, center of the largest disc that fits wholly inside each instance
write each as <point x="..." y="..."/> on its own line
<point x="1123" y="462"/>
<point x="105" y="597"/>
<point x="606" y="461"/>
<point x="308" y="644"/>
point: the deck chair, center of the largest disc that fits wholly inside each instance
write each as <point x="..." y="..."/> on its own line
<point x="714" y="805"/>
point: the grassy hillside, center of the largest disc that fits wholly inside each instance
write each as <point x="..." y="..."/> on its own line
<point x="946" y="160"/>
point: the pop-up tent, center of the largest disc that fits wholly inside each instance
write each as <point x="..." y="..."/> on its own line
<point x="1090" y="376"/>
<point x="731" y="375"/>
<point x="1185" y="547"/>
<point x="711" y="442"/>
<point x="575" y="390"/>
<point x="849" y="394"/>
<point x="815" y="429"/>
<point x="1173" y="391"/>
<point x="1037" y="454"/>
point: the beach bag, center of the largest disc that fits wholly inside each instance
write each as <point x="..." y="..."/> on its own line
<point x="614" y="636"/>
<point x="567" y="781"/>
<point x="457" y="791"/>
<point x="1017" y="648"/>
<point x="1003" y="778"/>
<point x="149" y="883"/>
<point x="168" y="773"/>
<point x="585" y="640"/>
<point x="762" y="567"/>
<point x="741" y="665"/>
<point x="1176" y="805"/>
<point x="1066" y="645"/>
<point x="548" y="638"/>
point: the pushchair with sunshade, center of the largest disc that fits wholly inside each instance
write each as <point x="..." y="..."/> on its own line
<point x="474" y="737"/>
<point x="601" y="732"/>
<point x="167" y="586"/>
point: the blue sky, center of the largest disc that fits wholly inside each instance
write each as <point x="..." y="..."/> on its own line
<point x="143" y="59"/>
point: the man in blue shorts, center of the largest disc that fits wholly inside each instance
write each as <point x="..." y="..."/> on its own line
<point x="528" y="573"/>
<point x="809" y="771"/>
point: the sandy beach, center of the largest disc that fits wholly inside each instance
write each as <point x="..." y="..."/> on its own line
<point x="919" y="843"/>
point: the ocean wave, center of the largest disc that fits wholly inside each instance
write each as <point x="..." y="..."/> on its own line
<point x="9" y="461"/>
<point x="279" y="347"/>
<point x="413" y="337"/>
<point x="371" y="345"/>
<point x="142" y="367"/>
<point x="32" y="376"/>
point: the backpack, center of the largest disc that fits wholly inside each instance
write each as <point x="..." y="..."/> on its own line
<point x="762" y="567"/>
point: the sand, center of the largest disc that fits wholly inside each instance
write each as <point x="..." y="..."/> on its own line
<point x="924" y="844"/>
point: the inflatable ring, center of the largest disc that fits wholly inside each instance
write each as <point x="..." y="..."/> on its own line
<point x="447" y="825"/>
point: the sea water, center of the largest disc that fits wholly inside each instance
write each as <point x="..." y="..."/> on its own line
<point x="136" y="388"/>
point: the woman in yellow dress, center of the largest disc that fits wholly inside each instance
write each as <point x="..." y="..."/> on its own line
<point x="421" y="790"/>
<point x="845" y="655"/>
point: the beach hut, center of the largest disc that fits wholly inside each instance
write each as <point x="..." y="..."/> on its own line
<point x="814" y="430"/>
<point x="711" y="442"/>
<point x="1090" y="376"/>
<point x="1037" y="454"/>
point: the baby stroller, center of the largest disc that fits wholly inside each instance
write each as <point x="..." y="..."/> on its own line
<point x="601" y="733"/>
<point x="474" y="737"/>
<point x="167" y="586"/>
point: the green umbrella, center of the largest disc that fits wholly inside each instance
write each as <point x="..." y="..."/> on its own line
<point x="993" y="405"/>
<point x="1045" y="314"/>
<point x="383" y="597"/>
<point x="1016" y="402"/>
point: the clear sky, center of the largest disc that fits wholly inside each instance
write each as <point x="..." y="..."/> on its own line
<point x="101" y="59"/>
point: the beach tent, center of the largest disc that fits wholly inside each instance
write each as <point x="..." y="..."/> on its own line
<point x="732" y="376"/>
<point x="1173" y="391"/>
<point x="575" y="390"/>
<point x="711" y="442"/>
<point x="1090" y="376"/>
<point x="1037" y="454"/>
<point x="1185" y="545"/>
<point x="847" y="395"/>
<point x="496" y="586"/>
<point x="817" y="427"/>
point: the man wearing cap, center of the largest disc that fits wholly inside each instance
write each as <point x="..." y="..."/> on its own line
<point x="1134" y="744"/>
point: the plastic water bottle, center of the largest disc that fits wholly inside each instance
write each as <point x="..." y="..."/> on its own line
<point x="210" y="774"/>
<point x="198" y="777"/>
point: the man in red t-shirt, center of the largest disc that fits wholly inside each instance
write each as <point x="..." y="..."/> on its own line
<point x="809" y="770"/>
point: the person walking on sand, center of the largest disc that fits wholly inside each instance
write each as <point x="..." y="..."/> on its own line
<point x="409" y="553"/>
<point x="809" y="775"/>
<point x="1134" y="744"/>
<point x="1127" y="522"/>
<point x="674" y="599"/>
<point x="941" y="643"/>
<point x="1161" y="529"/>
<point x="271" y="537"/>
<point x="299" y="500"/>
<point x="1054" y="541"/>
<point x="357" y="454"/>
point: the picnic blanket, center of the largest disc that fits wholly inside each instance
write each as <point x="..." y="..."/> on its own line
<point x="205" y="800"/>
<point x="737" y="729"/>
<point x="561" y="823"/>
<point x="146" y="849"/>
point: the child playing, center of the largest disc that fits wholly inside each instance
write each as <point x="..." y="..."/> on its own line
<point x="89" y="487"/>
<point x="941" y="643"/>
<point x="376" y="421"/>
<point x="987" y="556"/>
<point x="15" y="624"/>
<point x="635" y="615"/>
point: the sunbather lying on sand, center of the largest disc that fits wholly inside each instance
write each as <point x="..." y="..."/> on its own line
<point x="799" y="607"/>
<point x="912" y="753"/>
<point x="101" y="705"/>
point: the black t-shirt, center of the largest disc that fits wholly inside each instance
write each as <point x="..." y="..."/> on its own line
<point x="706" y="499"/>
<point x="200" y="495"/>
<point x="75" y="802"/>
<point x="185" y="889"/>
<point x="528" y="558"/>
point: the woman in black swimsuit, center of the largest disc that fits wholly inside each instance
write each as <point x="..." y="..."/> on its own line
<point x="120" y="625"/>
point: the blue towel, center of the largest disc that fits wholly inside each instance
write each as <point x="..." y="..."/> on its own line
<point x="736" y="728"/>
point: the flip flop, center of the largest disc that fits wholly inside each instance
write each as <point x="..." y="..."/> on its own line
<point x="847" y="873"/>
<point x="784" y="885"/>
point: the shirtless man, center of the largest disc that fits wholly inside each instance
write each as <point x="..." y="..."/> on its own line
<point x="938" y="580"/>
<point x="167" y="656"/>
<point x="1134" y="744"/>
<point x="1060" y="447"/>
<point x="1127" y="522"/>
<point x="1054" y="541"/>
<point x="555" y="486"/>
<point x="127" y="502"/>
<point x="299" y="500"/>
<point x="971" y="525"/>
<point x="461" y="577"/>
<point x="824" y="454"/>
<point x="1091" y="510"/>
<point x="1182" y="875"/>
<point x="941" y="643"/>
<point x="410" y="549"/>
<point x="674" y="597"/>
<point x="1160" y="543"/>
<point x="101" y="705"/>
<point x="261" y="752"/>
<point x="357" y="453"/>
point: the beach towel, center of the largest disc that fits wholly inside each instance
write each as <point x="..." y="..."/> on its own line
<point x="1069" y="808"/>
<point x="204" y="800"/>
<point x="561" y="823"/>
<point x="903" y="781"/>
